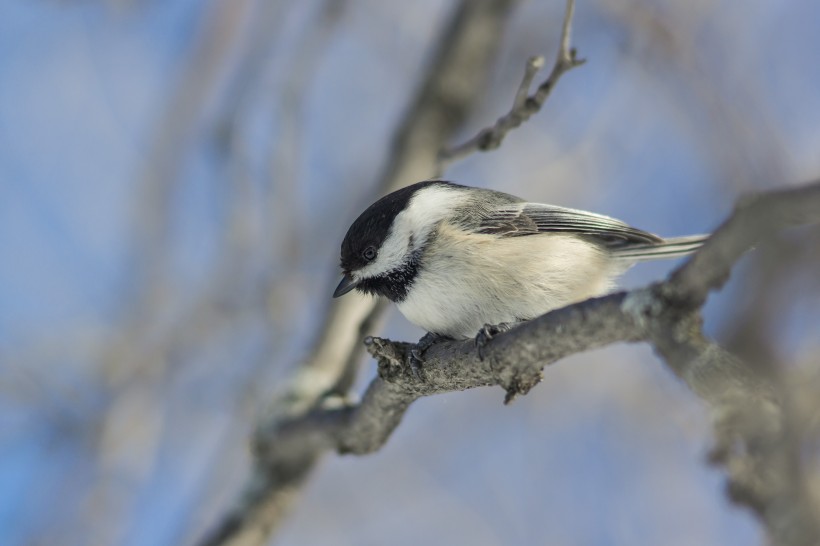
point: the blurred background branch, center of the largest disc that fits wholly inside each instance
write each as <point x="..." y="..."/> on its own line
<point x="459" y="66"/>
<point x="525" y="105"/>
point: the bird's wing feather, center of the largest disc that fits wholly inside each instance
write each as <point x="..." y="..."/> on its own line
<point x="519" y="219"/>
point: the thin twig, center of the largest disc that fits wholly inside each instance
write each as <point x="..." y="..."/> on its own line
<point x="534" y="65"/>
<point x="524" y="105"/>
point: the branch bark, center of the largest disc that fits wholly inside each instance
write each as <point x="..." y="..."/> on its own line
<point x="751" y="428"/>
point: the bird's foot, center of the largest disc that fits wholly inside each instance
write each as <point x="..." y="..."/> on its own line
<point x="488" y="332"/>
<point x="415" y="355"/>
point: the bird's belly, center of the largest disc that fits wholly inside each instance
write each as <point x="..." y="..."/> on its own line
<point x="458" y="305"/>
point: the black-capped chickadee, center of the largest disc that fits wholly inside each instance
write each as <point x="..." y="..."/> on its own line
<point x="456" y="258"/>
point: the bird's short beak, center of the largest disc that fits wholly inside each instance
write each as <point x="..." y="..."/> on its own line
<point x="348" y="283"/>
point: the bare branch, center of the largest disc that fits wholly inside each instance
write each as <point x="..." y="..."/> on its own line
<point x="761" y="216"/>
<point x="750" y="425"/>
<point x="753" y="436"/>
<point x="524" y="105"/>
<point x="534" y="65"/>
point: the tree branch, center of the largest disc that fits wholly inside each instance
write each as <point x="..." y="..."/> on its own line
<point x="760" y="217"/>
<point x="524" y="105"/>
<point x="750" y="426"/>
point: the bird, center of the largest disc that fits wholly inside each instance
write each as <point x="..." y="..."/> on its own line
<point x="461" y="261"/>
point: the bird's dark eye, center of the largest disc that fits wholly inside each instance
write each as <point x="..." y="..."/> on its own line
<point x="369" y="253"/>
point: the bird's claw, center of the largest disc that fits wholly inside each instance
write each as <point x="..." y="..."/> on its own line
<point x="415" y="355"/>
<point x="487" y="333"/>
<point x="415" y="363"/>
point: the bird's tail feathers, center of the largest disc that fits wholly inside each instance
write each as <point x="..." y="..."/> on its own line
<point x="673" y="247"/>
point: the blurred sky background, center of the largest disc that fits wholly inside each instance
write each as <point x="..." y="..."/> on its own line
<point x="176" y="177"/>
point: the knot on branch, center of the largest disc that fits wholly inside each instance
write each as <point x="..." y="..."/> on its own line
<point x="521" y="383"/>
<point x="392" y="358"/>
<point x="571" y="59"/>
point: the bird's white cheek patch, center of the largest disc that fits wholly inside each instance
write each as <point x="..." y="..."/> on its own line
<point x="391" y="256"/>
<point x="412" y="226"/>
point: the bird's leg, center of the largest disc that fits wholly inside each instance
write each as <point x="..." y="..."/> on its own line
<point x="488" y="332"/>
<point x="416" y="360"/>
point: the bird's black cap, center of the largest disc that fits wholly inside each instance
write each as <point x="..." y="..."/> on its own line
<point x="373" y="225"/>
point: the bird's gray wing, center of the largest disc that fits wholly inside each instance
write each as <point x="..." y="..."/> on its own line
<point x="519" y="219"/>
